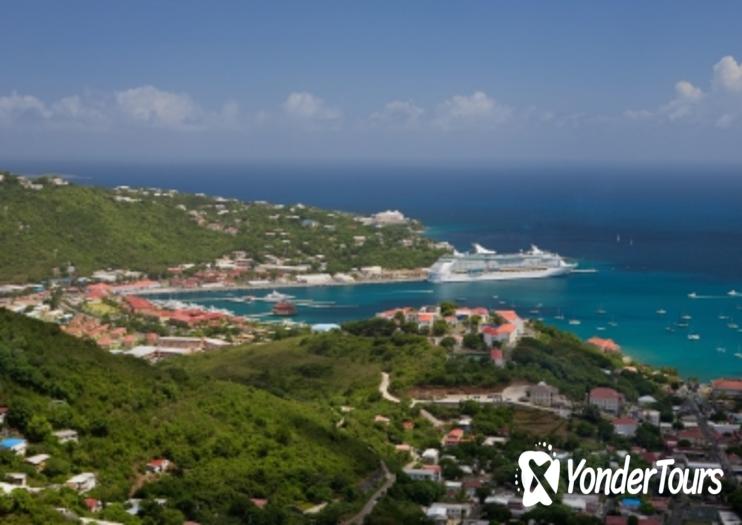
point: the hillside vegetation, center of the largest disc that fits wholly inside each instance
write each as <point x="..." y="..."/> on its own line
<point x="229" y="441"/>
<point x="45" y="227"/>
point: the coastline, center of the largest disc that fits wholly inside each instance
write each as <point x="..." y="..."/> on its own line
<point x="270" y="286"/>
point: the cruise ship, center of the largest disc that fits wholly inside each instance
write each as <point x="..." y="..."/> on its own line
<point x="482" y="264"/>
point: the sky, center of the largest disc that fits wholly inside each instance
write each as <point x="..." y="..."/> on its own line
<point x="628" y="81"/>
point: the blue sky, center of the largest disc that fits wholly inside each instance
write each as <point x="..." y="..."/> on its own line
<point x="605" y="81"/>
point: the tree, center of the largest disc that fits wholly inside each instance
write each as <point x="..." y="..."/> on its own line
<point x="472" y="341"/>
<point x="448" y="308"/>
<point x="38" y="428"/>
<point x="440" y="327"/>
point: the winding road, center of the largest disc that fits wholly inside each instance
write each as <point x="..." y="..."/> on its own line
<point x="389" y="480"/>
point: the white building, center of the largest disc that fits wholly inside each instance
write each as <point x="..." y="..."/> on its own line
<point x="82" y="482"/>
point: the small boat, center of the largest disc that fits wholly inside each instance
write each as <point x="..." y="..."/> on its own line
<point x="686" y="317"/>
<point x="723" y="317"/>
<point x="559" y="316"/>
<point x="600" y="328"/>
<point x="693" y="295"/>
<point x="733" y="293"/>
<point x="669" y="329"/>
<point x="738" y="355"/>
<point x="733" y="326"/>
<point x="682" y="325"/>
<point x="661" y="311"/>
<point x="284" y="308"/>
<point x="575" y="322"/>
<point x="613" y="323"/>
<point x="721" y="349"/>
<point x="277" y="297"/>
<point x="600" y="311"/>
<point x="694" y="337"/>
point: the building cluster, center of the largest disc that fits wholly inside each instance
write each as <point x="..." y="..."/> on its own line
<point x="498" y="330"/>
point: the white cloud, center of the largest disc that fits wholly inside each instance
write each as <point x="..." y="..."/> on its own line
<point x="471" y="109"/>
<point x="728" y="75"/>
<point x="149" y="105"/>
<point x="306" y="106"/>
<point x="687" y="98"/>
<point x="17" y="108"/>
<point x="139" y="106"/>
<point x="398" y="113"/>
<point x="720" y="106"/>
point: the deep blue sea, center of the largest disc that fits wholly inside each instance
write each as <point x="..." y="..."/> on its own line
<point x="654" y="234"/>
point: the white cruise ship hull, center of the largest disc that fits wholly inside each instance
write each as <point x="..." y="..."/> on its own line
<point x="448" y="277"/>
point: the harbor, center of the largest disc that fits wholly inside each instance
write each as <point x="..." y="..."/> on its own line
<point x="643" y="311"/>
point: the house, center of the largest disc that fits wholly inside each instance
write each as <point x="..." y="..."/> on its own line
<point x="542" y="394"/>
<point x="423" y="474"/>
<point x="66" y="436"/>
<point x="158" y="465"/>
<point x="693" y="435"/>
<point x="511" y="317"/>
<point x="38" y="461"/>
<point x="82" y="482"/>
<point x="17" y="479"/>
<point x="625" y="426"/>
<point x="442" y="513"/>
<point x="16" y="445"/>
<point x="497" y="357"/>
<point x="504" y="334"/>
<point x="259" y="502"/>
<point x="93" y="505"/>
<point x="646" y="400"/>
<point x="727" y="388"/>
<point x="382" y="419"/>
<point x="454" y="437"/>
<point x="3" y="413"/>
<point x="607" y="346"/>
<point x="430" y="456"/>
<point x="606" y="399"/>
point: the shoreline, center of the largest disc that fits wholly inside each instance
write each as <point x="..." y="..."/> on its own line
<point x="269" y="286"/>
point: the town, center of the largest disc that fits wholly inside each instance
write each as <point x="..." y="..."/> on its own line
<point x="463" y="437"/>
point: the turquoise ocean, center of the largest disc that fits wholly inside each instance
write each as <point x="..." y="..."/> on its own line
<point x="652" y="234"/>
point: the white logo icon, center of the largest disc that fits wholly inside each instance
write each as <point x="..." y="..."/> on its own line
<point x="539" y="476"/>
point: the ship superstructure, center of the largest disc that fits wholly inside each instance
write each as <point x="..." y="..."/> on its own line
<point x="482" y="264"/>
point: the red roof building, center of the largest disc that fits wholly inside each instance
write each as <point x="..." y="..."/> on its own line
<point x="607" y="346"/>
<point x="454" y="437"/>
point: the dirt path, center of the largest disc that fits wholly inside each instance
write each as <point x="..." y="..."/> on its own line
<point x="384" y="389"/>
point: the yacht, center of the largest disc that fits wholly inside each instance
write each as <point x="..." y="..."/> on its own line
<point x="276" y="297"/>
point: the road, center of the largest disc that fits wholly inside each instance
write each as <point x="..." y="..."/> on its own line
<point x="710" y="436"/>
<point x="389" y="480"/>
<point x="384" y="389"/>
<point x="437" y="423"/>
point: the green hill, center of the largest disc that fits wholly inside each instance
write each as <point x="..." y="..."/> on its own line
<point x="45" y="227"/>
<point x="229" y="441"/>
